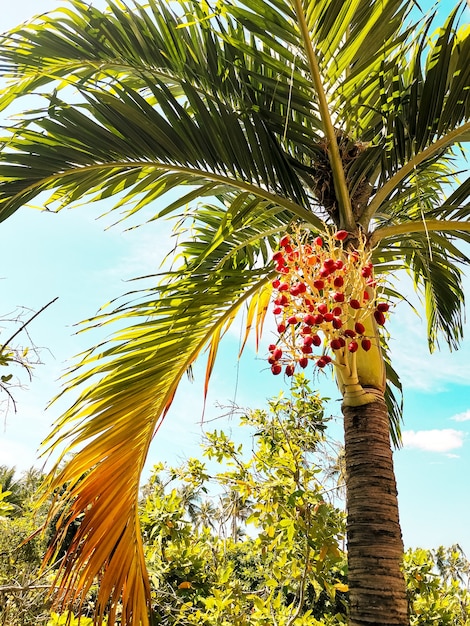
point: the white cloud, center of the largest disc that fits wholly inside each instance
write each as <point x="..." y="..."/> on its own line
<point x="462" y="417"/>
<point x="437" y="440"/>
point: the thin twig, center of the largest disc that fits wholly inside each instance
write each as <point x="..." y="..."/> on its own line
<point x="23" y="326"/>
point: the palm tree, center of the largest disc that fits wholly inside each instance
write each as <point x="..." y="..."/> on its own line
<point x="23" y="491"/>
<point x="265" y="116"/>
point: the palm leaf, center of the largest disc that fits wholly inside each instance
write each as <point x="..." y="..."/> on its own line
<point x="113" y="423"/>
<point x="141" y="148"/>
<point x="434" y="262"/>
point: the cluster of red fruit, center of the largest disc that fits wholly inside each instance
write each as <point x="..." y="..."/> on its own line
<point x="322" y="296"/>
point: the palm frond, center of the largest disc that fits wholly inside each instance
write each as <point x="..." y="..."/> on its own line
<point x="393" y="398"/>
<point x="113" y="422"/>
<point x="416" y="133"/>
<point x="117" y="142"/>
<point x="444" y="295"/>
<point x="434" y="262"/>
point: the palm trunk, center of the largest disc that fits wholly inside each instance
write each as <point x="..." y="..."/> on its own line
<point x="375" y="545"/>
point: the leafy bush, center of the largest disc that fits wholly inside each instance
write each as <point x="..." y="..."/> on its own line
<point x="270" y="552"/>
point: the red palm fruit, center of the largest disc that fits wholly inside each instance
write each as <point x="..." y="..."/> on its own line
<point x="306" y="349"/>
<point x="292" y="319"/>
<point x="339" y="264"/>
<point x="284" y="300"/>
<point x="341" y="341"/>
<point x="338" y="281"/>
<point x="308" y="340"/>
<point x="326" y="358"/>
<point x="354" y="256"/>
<point x="284" y="241"/>
<point x="290" y="370"/>
<point x="271" y="347"/>
<point x="288" y="248"/>
<point x="277" y="256"/>
<point x="319" y="284"/>
<point x="328" y="317"/>
<point x="366" y="344"/>
<point x="277" y="310"/>
<point x="329" y="263"/>
<point x="337" y="323"/>
<point x="272" y="360"/>
<point x="309" y="319"/>
<point x="316" y="340"/>
<point x="319" y="319"/>
<point x="276" y="283"/>
<point x="283" y="287"/>
<point x="321" y="362"/>
<point x="359" y="328"/>
<point x="307" y="249"/>
<point x="318" y="241"/>
<point x="324" y="272"/>
<point x="354" y="304"/>
<point x="303" y="362"/>
<point x="349" y="333"/>
<point x="277" y="353"/>
<point x="337" y="310"/>
<point x="276" y="369"/>
<point x="383" y="306"/>
<point x="366" y="271"/>
<point x="281" y="328"/>
<point x="302" y="287"/>
<point x="294" y="290"/>
<point x="365" y="295"/>
<point x="353" y="346"/>
<point x="322" y="308"/>
<point x="379" y="317"/>
<point x="335" y="344"/>
<point x="338" y="296"/>
<point x="282" y="270"/>
<point x="306" y="330"/>
<point x="341" y="235"/>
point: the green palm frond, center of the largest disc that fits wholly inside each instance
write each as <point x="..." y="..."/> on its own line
<point x="243" y="233"/>
<point x="437" y="273"/>
<point x="393" y="399"/>
<point x="140" y="147"/>
<point x="456" y="206"/>
<point x="140" y="46"/>
<point x="434" y="261"/>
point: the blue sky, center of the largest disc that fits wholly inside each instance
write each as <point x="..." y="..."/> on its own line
<point x="74" y="256"/>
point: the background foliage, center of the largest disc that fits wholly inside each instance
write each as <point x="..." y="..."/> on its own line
<point x="251" y="536"/>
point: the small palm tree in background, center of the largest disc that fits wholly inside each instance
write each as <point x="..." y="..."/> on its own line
<point x="335" y="123"/>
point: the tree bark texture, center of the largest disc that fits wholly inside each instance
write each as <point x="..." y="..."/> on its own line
<point x="375" y="545"/>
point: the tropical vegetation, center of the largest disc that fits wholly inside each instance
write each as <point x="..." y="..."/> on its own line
<point x="340" y="126"/>
<point x="251" y="533"/>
